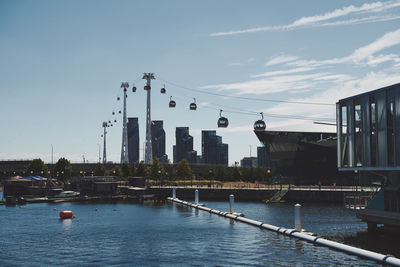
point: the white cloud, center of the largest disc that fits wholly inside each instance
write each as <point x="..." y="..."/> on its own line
<point x="318" y="20"/>
<point x="282" y="72"/>
<point x="280" y="59"/>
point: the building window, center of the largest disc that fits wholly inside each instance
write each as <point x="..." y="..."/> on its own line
<point x="390" y="131"/>
<point x="373" y="130"/>
<point x="344" y="140"/>
<point x="358" y="133"/>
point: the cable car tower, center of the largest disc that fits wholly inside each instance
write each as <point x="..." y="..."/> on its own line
<point x="124" y="149"/>
<point x="148" y="157"/>
<point x="104" y="145"/>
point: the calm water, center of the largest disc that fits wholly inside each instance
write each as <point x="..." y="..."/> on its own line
<point x="169" y="235"/>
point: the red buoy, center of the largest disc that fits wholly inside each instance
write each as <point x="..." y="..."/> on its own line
<point x="66" y="214"/>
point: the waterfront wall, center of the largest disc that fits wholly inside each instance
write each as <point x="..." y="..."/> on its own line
<point x="298" y="195"/>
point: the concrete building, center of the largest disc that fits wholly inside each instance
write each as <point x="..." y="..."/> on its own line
<point x="184" y="146"/>
<point x="133" y="140"/>
<point x="213" y="150"/>
<point x="249" y="162"/>
<point x="158" y="141"/>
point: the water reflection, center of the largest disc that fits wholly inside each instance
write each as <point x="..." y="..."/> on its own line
<point x="66" y="224"/>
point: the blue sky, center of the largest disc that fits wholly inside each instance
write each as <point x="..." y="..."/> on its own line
<point x="62" y="63"/>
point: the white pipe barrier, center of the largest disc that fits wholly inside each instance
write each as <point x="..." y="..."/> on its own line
<point x="174" y="192"/>
<point x="388" y="259"/>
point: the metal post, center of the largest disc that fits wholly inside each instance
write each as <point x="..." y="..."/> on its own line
<point x="297" y="217"/>
<point x="105" y="125"/>
<point x="148" y="159"/>
<point x="196" y="197"/>
<point x="173" y="192"/>
<point x="124" y="149"/>
<point x="231" y="203"/>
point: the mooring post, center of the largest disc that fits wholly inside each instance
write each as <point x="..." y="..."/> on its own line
<point x="231" y="203"/>
<point x="173" y="192"/>
<point x="297" y="217"/>
<point x="196" y="197"/>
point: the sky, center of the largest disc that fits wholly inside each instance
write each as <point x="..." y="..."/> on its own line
<point x="62" y="64"/>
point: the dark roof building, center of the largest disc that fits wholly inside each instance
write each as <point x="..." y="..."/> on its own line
<point x="158" y="141"/>
<point x="184" y="146"/>
<point x="212" y="148"/>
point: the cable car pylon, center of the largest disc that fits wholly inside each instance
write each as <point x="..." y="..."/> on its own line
<point x="148" y="157"/>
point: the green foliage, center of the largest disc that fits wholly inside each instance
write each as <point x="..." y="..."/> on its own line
<point x="100" y="170"/>
<point x="236" y="174"/>
<point x="157" y="169"/>
<point x="63" y="169"/>
<point x="132" y="169"/>
<point x="126" y="172"/>
<point x="116" y="171"/>
<point x="37" y="168"/>
<point x="140" y="169"/>
<point x="147" y="171"/>
<point x="183" y="169"/>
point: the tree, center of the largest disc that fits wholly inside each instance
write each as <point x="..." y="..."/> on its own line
<point x="157" y="169"/>
<point x="100" y="170"/>
<point x="140" y="169"/>
<point x="116" y="171"/>
<point x="126" y="172"/>
<point x="37" y="167"/>
<point x="63" y="169"/>
<point x="183" y="169"/>
<point x="237" y="175"/>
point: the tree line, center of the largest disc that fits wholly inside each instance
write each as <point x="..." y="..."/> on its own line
<point x="156" y="170"/>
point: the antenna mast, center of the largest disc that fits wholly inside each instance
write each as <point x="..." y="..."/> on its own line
<point x="124" y="149"/>
<point x="148" y="159"/>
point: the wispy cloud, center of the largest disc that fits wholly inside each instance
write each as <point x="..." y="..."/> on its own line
<point x="324" y="19"/>
<point x="282" y="72"/>
<point x="280" y="59"/>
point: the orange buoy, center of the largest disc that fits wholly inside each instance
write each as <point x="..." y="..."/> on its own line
<point x="114" y="209"/>
<point x="66" y="214"/>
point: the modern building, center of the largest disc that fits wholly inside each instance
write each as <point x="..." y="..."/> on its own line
<point x="158" y="141"/>
<point x="249" y="162"/>
<point x="133" y="140"/>
<point x="184" y="146"/>
<point x="368" y="144"/>
<point x="212" y="148"/>
<point x="263" y="159"/>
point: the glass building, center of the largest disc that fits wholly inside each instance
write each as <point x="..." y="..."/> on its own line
<point x="158" y="141"/>
<point x="184" y="146"/>
<point x="212" y="148"/>
<point x="133" y="140"/>
<point x="368" y="130"/>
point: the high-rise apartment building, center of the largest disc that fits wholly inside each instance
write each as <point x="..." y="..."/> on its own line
<point x="158" y="141"/>
<point x="133" y="140"/>
<point x="212" y="148"/>
<point x="184" y="146"/>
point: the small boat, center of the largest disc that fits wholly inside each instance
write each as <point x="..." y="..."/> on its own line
<point x="67" y="194"/>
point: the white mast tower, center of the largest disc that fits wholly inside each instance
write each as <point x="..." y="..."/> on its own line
<point x="104" y="145"/>
<point x="148" y="158"/>
<point x="124" y="149"/>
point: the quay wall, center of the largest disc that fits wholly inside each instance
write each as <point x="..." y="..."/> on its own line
<point x="250" y="194"/>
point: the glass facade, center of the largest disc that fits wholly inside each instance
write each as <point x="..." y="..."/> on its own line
<point x="368" y="127"/>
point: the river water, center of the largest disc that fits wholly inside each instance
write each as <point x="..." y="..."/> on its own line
<point x="166" y="234"/>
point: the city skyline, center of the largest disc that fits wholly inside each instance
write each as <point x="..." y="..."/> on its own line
<point x="63" y="63"/>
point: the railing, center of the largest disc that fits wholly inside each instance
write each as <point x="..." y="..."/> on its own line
<point x="357" y="201"/>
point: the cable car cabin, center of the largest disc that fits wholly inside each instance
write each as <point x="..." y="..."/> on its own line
<point x="113" y="113"/>
<point x="163" y="91"/>
<point x="115" y="120"/>
<point x="147" y="87"/>
<point x="133" y="89"/>
<point x="172" y="103"/>
<point x="119" y="112"/>
<point x="193" y="106"/>
<point x="118" y="98"/>
<point x="223" y="122"/>
<point x="259" y="125"/>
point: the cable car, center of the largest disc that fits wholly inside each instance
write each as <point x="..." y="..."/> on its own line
<point x="119" y="112"/>
<point x="133" y="89"/>
<point x="109" y="121"/>
<point x="147" y="87"/>
<point x="118" y="98"/>
<point x="113" y="113"/>
<point x="163" y="91"/>
<point x="172" y="103"/>
<point x="101" y="135"/>
<point x="111" y="125"/>
<point x="222" y="121"/>
<point x="193" y="105"/>
<point x="260" y="124"/>
<point x="115" y="120"/>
